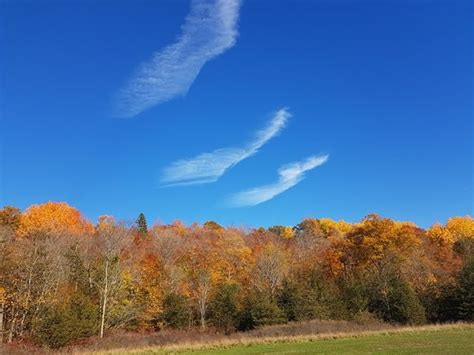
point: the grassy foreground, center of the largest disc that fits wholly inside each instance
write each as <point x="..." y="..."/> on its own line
<point x="428" y="342"/>
<point x="448" y="339"/>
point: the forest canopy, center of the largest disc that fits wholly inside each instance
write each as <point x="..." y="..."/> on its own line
<point x="64" y="278"/>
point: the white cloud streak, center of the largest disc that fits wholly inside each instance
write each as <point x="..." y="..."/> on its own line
<point x="209" y="167"/>
<point x="208" y="31"/>
<point x="289" y="176"/>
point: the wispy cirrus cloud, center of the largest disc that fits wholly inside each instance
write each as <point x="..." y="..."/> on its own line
<point x="209" y="167"/>
<point x="289" y="176"/>
<point x="209" y="30"/>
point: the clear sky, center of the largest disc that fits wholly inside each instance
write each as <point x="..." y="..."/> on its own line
<point x="384" y="87"/>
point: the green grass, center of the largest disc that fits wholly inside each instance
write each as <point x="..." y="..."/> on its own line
<point x="443" y="341"/>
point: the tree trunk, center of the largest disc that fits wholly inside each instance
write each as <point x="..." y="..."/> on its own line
<point x="22" y="322"/>
<point x="203" y="318"/>
<point x="203" y="308"/>
<point x="12" y="328"/>
<point x="104" y="302"/>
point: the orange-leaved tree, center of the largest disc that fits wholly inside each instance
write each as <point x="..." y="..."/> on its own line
<point x="53" y="218"/>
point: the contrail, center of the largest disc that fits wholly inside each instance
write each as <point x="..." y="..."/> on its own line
<point x="289" y="176"/>
<point x="209" y="167"/>
<point x="208" y="31"/>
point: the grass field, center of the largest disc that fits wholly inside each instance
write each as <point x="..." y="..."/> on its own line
<point x="442" y="340"/>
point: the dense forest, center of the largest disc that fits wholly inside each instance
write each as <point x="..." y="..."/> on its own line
<point x="63" y="278"/>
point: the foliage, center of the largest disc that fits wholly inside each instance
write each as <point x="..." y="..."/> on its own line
<point x="465" y="292"/>
<point x="456" y="302"/>
<point x="310" y="296"/>
<point x="53" y="218"/>
<point x="141" y="224"/>
<point x="284" y="232"/>
<point x="63" y="324"/>
<point x="212" y="225"/>
<point x="63" y="278"/>
<point x="259" y="309"/>
<point x="176" y="312"/>
<point x="395" y="301"/>
<point x="224" y="307"/>
<point x="10" y="217"/>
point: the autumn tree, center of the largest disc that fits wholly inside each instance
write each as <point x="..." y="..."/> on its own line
<point x="461" y="227"/>
<point x="34" y="269"/>
<point x="310" y="226"/>
<point x="308" y="244"/>
<point x="283" y="231"/>
<point x="201" y="287"/>
<point x="110" y="243"/>
<point x="213" y="257"/>
<point x="462" y="230"/>
<point x="10" y="217"/>
<point x="270" y="269"/>
<point x="53" y="218"/>
<point x="62" y="279"/>
<point x="212" y="225"/>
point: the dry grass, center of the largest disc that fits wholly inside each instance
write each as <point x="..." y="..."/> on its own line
<point x="257" y="337"/>
<point x="122" y="342"/>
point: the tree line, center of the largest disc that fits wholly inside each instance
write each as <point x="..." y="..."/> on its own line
<point x="63" y="278"/>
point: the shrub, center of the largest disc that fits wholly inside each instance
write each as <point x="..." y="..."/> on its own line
<point x="60" y="325"/>
<point x="175" y="310"/>
<point x="303" y="302"/>
<point x="259" y="309"/>
<point x="397" y="302"/>
<point x="355" y="293"/>
<point x="224" y="307"/>
<point x="456" y="302"/>
<point x="465" y="292"/>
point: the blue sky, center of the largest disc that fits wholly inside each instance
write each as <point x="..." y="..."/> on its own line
<point x="383" y="87"/>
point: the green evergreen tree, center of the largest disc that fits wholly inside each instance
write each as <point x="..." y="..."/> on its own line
<point x="141" y="224"/>
<point x="175" y="311"/>
<point x="310" y="296"/>
<point x="396" y="301"/>
<point x="61" y="324"/>
<point x="465" y="292"/>
<point x="224" y="307"/>
<point x="259" y="309"/>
